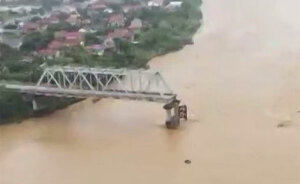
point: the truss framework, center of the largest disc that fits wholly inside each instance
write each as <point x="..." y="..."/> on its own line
<point x="83" y="82"/>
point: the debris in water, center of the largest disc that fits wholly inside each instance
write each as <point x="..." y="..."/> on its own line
<point x="95" y="100"/>
<point x="284" y="124"/>
<point x="188" y="161"/>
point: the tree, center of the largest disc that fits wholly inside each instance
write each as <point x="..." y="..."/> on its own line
<point x="61" y="26"/>
<point x="124" y="46"/>
<point x="91" y="39"/>
<point x="78" y="54"/>
<point x="116" y="7"/>
<point x="11" y="26"/>
<point x="8" y="53"/>
<point x="35" y="19"/>
<point x="12" y="106"/>
<point x="83" y="12"/>
<point x="36" y="40"/>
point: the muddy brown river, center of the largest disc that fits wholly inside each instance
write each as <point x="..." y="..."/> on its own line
<point x="241" y="82"/>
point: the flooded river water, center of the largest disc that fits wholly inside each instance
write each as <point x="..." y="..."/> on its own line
<point x="241" y="83"/>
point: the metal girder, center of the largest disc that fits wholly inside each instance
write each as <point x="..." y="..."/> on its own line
<point x="83" y="82"/>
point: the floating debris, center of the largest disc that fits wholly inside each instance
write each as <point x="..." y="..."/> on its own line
<point x="284" y="124"/>
<point x="188" y="161"/>
<point x="95" y="100"/>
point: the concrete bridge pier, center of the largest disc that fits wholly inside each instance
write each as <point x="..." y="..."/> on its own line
<point x="34" y="105"/>
<point x="173" y="118"/>
<point x="30" y="98"/>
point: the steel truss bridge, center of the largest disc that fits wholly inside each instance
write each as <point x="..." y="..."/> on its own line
<point x="83" y="82"/>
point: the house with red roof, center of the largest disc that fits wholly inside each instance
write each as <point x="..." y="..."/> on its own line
<point x="98" y="5"/>
<point x="122" y="33"/>
<point x="52" y="50"/>
<point x="62" y="39"/>
<point x="70" y="38"/>
<point x="55" y="45"/>
<point x="95" y="8"/>
<point x="96" y="49"/>
<point x="116" y="20"/>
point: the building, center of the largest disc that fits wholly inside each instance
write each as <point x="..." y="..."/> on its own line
<point x="70" y="38"/>
<point x="135" y="25"/>
<point x="116" y="20"/>
<point x="30" y="27"/>
<point x="174" y="5"/>
<point x="62" y="39"/>
<point x="96" y="49"/>
<point x="73" y="20"/>
<point x="53" y="19"/>
<point x="95" y="8"/>
<point x="55" y="45"/>
<point x="108" y="11"/>
<point x="132" y="7"/>
<point x="156" y="3"/>
<point x="122" y="33"/>
<point x="109" y="43"/>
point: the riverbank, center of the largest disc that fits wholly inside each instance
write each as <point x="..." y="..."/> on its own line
<point x="167" y="31"/>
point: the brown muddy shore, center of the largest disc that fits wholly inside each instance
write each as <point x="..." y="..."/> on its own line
<point x="241" y="82"/>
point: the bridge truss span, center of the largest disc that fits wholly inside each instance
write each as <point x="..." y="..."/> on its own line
<point x="83" y="82"/>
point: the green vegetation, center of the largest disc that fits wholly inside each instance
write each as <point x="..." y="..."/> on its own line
<point x="91" y="39"/>
<point x="12" y="107"/>
<point x="165" y="31"/>
<point x="36" y="40"/>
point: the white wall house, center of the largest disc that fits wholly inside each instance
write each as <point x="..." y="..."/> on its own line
<point x="174" y="4"/>
<point x="155" y="3"/>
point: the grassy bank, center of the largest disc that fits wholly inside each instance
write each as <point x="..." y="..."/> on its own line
<point x="167" y="31"/>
